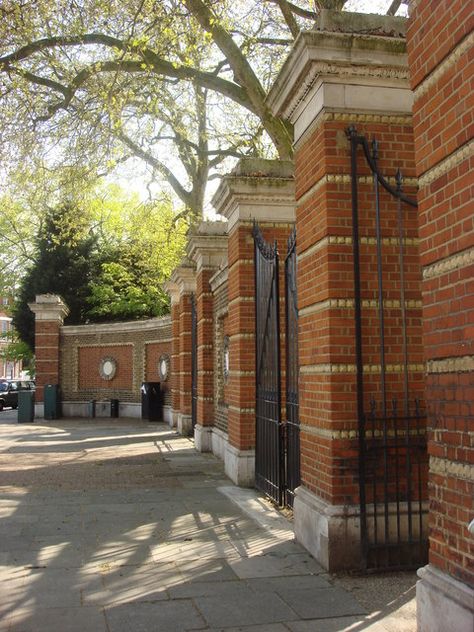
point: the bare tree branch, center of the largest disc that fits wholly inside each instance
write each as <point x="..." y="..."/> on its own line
<point x="180" y="191"/>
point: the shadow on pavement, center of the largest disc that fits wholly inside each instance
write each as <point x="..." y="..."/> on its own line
<point x="129" y="532"/>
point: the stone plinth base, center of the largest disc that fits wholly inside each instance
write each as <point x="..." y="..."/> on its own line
<point x="443" y="603"/>
<point x="39" y="410"/>
<point x="131" y="410"/>
<point x="330" y="533"/>
<point x="184" y="425"/>
<point x="173" y="418"/>
<point x="240" y="466"/>
<point x="203" y="438"/>
<point x="219" y="440"/>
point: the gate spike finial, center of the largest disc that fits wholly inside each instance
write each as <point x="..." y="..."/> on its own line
<point x="399" y="179"/>
<point x="351" y="132"/>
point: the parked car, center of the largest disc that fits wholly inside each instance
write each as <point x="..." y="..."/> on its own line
<point x="9" y="391"/>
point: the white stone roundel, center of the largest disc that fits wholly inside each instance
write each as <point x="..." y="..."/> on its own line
<point x="107" y="368"/>
<point x="164" y="367"/>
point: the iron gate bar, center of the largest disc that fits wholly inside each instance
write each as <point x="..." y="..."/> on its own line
<point x="382" y="451"/>
<point x="378" y="233"/>
<point x="269" y="461"/>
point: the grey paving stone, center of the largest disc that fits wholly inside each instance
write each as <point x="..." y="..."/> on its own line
<point x="84" y="619"/>
<point x="147" y="536"/>
<point x="59" y="587"/>
<point x="322" y="603"/>
<point x="271" y="627"/>
<point x="169" y="616"/>
<point x="129" y="584"/>
<point x="293" y="582"/>
<point x="226" y="590"/>
<point x="62" y="555"/>
<point x="243" y="607"/>
<point x="339" y="624"/>
<point x="206" y="570"/>
<point x="269" y="565"/>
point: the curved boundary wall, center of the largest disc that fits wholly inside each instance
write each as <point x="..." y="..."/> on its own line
<point x="73" y="357"/>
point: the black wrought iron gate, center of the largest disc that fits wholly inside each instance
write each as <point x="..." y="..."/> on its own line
<point x="277" y="461"/>
<point x="268" y="433"/>
<point x="391" y="426"/>
<point x="194" y="352"/>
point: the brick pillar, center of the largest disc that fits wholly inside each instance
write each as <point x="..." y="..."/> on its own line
<point x="258" y="190"/>
<point x="183" y="286"/>
<point x="333" y="80"/>
<point x="50" y="312"/>
<point x="440" y="47"/>
<point x="207" y="247"/>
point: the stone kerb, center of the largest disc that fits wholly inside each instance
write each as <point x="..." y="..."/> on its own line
<point x="183" y="286"/>
<point x="49" y="311"/>
<point x="261" y="191"/>
<point x="207" y="247"/>
<point x="349" y="70"/>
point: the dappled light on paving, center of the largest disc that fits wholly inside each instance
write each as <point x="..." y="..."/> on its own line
<point x="114" y="526"/>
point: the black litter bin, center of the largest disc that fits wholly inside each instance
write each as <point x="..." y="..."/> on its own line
<point x="114" y="408"/>
<point x="26" y="407"/>
<point x="51" y="402"/>
<point x="152" y="401"/>
<point x="91" y="408"/>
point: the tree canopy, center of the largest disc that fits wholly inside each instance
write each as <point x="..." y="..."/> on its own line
<point x="107" y="260"/>
<point x="180" y="84"/>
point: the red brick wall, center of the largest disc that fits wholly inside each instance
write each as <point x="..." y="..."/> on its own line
<point x="329" y="445"/>
<point x="205" y="342"/>
<point x="47" y="355"/>
<point x="89" y="359"/>
<point x="175" y="362"/>
<point x="441" y="62"/>
<point x="153" y="352"/>
<point x="136" y="346"/>
<point x="185" y="354"/>
<point x="240" y="390"/>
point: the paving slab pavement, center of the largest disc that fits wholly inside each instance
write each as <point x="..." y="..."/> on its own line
<point x="120" y="525"/>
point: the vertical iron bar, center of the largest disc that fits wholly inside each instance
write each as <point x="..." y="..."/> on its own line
<point x="358" y="342"/>
<point x="373" y="417"/>
<point x="420" y="485"/>
<point x="281" y="446"/>
<point x="401" y="261"/>
<point x="378" y="232"/>
<point x="409" y="482"/>
<point x="397" y="478"/>
<point x="382" y="339"/>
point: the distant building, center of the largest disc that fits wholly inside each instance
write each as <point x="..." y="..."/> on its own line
<point x="8" y="368"/>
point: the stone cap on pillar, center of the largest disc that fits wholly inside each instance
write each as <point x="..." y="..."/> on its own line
<point x="257" y="189"/>
<point x="207" y="246"/>
<point x="350" y="62"/>
<point x="182" y="280"/>
<point x="49" y="307"/>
